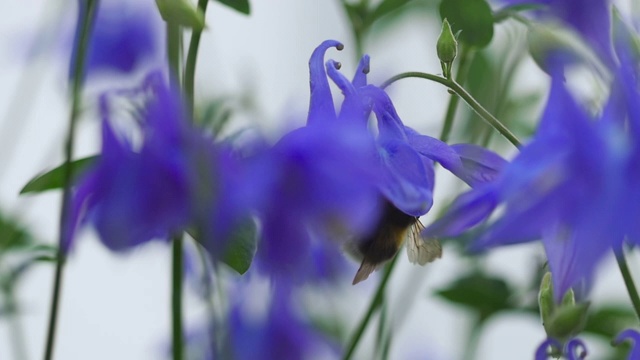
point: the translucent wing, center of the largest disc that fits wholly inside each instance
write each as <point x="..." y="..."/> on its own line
<point x="366" y="268"/>
<point x="421" y="250"/>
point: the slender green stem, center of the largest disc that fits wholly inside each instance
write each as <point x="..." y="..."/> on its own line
<point x="76" y="91"/>
<point x="173" y="52"/>
<point x="176" y="299"/>
<point x="192" y="56"/>
<point x="461" y="75"/>
<point x="481" y="111"/>
<point x="375" y="304"/>
<point x="628" y="281"/>
<point x="473" y="339"/>
<point x="382" y="324"/>
<point x="177" y="336"/>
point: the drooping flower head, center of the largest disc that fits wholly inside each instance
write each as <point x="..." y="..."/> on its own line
<point x="405" y="156"/>
<point x="332" y="176"/>
<point x="173" y="179"/>
<point x="569" y="187"/>
<point x="317" y="183"/>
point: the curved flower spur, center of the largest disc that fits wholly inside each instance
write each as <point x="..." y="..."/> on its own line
<point x="405" y="162"/>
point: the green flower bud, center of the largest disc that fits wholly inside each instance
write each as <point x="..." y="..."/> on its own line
<point x="181" y="12"/>
<point x="567" y="321"/>
<point x="545" y="299"/>
<point x="447" y="45"/>
<point x="561" y="321"/>
<point x="447" y="48"/>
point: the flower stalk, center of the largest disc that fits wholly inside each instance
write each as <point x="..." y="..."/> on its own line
<point x="628" y="281"/>
<point x="76" y="92"/>
<point x="473" y="103"/>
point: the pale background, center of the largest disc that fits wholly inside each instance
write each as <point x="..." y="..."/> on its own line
<point x="117" y="307"/>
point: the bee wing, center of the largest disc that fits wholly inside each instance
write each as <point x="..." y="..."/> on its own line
<point x="366" y="268"/>
<point x="421" y="250"/>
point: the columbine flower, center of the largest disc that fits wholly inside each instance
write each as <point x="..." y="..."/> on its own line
<point x="570" y="187"/>
<point x="276" y="332"/>
<point x="407" y="157"/>
<point x="174" y="179"/>
<point x="590" y="18"/>
<point x="629" y="335"/>
<point x="330" y="177"/>
<point x="124" y="38"/>
<point x="318" y="182"/>
<point x="573" y="350"/>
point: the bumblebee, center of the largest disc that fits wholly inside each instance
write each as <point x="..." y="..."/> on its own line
<point x="383" y="243"/>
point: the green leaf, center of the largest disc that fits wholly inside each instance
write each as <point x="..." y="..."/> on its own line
<point x="54" y="179"/>
<point x="215" y="115"/>
<point x="386" y="7"/>
<point x="13" y="236"/>
<point x="238" y="5"/>
<point x="608" y="321"/>
<point x="473" y="18"/>
<point x="242" y="247"/>
<point x="483" y="294"/>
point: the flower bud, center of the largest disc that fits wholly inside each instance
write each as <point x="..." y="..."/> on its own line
<point x="447" y="45"/>
<point x="561" y="321"/>
<point x="545" y="299"/>
<point x="447" y="48"/>
<point x="181" y="12"/>
<point x="567" y="321"/>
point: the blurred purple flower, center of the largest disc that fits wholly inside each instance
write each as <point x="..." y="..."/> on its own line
<point x="279" y="333"/>
<point x="590" y="18"/>
<point x="177" y="178"/>
<point x="316" y="183"/>
<point x="572" y="186"/>
<point x="629" y="335"/>
<point x="328" y="178"/>
<point x="574" y="349"/>
<point x="124" y="37"/>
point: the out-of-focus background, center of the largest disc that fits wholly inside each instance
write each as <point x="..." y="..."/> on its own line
<point x="117" y="307"/>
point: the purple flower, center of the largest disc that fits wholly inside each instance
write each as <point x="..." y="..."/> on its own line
<point x="175" y="178"/>
<point x="571" y="186"/>
<point x="277" y="333"/>
<point x="629" y="335"/>
<point x="590" y="18"/>
<point x="406" y="157"/>
<point x="329" y="178"/>
<point x="316" y="183"/>
<point x="573" y="350"/>
<point x="124" y="37"/>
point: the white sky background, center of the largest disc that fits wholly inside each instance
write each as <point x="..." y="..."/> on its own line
<point x="117" y="307"/>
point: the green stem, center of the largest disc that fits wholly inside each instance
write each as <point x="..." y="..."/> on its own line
<point x="78" y="78"/>
<point x="628" y="281"/>
<point x="173" y="53"/>
<point x="176" y="299"/>
<point x="461" y="75"/>
<point x="192" y="56"/>
<point x="482" y="112"/>
<point x="473" y="340"/>
<point x="177" y="336"/>
<point x="375" y="304"/>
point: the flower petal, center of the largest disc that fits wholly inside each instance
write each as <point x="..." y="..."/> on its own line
<point x="321" y="102"/>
